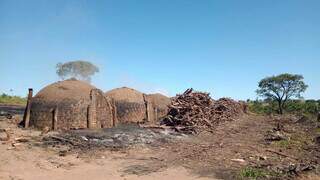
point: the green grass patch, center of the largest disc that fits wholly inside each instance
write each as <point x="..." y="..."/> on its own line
<point x="256" y="173"/>
<point x="301" y="140"/>
<point x="16" y="100"/>
<point x="283" y="144"/>
<point x="252" y="173"/>
<point x="297" y="141"/>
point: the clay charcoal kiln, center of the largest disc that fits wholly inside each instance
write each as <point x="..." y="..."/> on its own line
<point x="134" y="106"/>
<point x="71" y="104"/>
<point x="157" y="106"/>
<point x="130" y="104"/>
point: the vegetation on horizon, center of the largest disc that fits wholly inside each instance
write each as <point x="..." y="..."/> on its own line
<point x="16" y="100"/>
<point x="309" y="108"/>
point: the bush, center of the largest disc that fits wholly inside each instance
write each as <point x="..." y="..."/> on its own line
<point x="262" y="107"/>
<point x="312" y="106"/>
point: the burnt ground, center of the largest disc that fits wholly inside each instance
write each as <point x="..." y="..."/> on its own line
<point x="11" y="109"/>
<point x="117" y="138"/>
<point x="252" y="147"/>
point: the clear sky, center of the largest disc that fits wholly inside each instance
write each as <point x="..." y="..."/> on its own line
<point x="221" y="46"/>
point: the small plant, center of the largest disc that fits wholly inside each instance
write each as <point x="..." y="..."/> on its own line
<point x="297" y="141"/>
<point x="252" y="173"/>
<point x="301" y="140"/>
<point x="255" y="173"/>
<point x="283" y="143"/>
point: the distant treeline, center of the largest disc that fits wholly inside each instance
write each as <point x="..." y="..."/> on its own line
<point x="296" y="106"/>
<point x="7" y="99"/>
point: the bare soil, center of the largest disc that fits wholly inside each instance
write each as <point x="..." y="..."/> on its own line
<point x="224" y="154"/>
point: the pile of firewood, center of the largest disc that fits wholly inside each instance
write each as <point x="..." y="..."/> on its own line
<point x="192" y="112"/>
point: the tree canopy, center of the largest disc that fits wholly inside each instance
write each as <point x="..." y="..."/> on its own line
<point x="81" y="70"/>
<point x="281" y="88"/>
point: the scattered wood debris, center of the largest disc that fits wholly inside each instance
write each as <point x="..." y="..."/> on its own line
<point x="291" y="170"/>
<point x="281" y="154"/>
<point x="238" y="160"/>
<point x="276" y="134"/>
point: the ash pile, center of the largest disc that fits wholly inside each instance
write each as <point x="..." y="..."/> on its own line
<point x="120" y="137"/>
<point x="193" y="112"/>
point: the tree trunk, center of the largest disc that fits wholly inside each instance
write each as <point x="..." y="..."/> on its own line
<point x="280" y="111"/>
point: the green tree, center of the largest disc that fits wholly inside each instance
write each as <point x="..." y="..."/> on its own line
<point x="281" y="88"/>
<point x="81" y="70"/>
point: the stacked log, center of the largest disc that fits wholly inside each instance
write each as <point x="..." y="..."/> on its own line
<point x="192" y="112"/>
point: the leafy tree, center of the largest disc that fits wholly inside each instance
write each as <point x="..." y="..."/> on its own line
<point x="81" y="70"/>
<point x="281" y="88"/>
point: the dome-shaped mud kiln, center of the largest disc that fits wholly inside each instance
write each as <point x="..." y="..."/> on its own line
<point x="134" y="106"/>
<point x="71" y="104"/>
<point x="129" y="103"/>
<point x="157" y="106"/>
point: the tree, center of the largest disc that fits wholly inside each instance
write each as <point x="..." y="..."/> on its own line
<point x="281" y="88"/>
<point x="81" y="70"/>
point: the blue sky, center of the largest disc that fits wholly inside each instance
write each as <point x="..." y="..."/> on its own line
<point x="221" y="46"/>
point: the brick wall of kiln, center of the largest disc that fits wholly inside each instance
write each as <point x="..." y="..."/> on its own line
<point x="103" y="110"/>
<point x="130" y="111"/>
<point x="149" y="110"/>
<point x="155" y="110"/>
<point x="72" y="114"/>
<point x="41" y="114"/>
<point x="75" y="117"/>
<point x="98" y="112"/>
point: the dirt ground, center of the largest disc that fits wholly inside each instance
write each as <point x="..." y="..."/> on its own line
<point x="228" y="153"/>
<point x="24" y="161"/>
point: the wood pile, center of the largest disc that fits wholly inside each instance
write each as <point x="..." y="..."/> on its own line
<point x="192" y="112"/>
